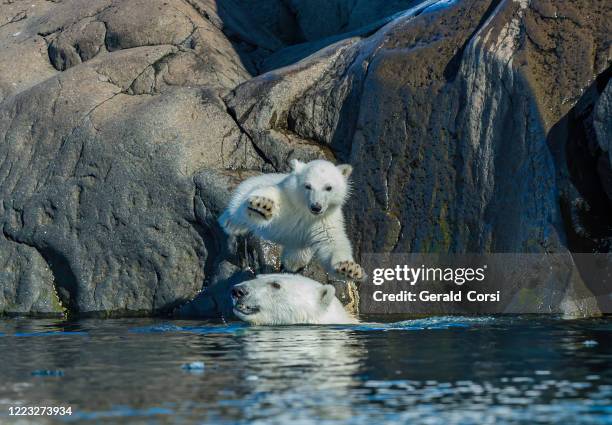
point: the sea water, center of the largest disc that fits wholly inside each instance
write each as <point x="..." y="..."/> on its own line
<point x="443" y="370"/>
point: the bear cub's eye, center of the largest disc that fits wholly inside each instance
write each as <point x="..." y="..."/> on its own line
<point x="308" y="186"/>
<point x="275" y="285"/>
<point x="328" y="188"/>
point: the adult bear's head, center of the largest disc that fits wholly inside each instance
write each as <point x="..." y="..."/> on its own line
<point x="318" y="186"/>
<point x="284" y="299"/>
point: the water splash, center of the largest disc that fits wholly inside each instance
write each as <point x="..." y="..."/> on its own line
<point x="443" y="322"/>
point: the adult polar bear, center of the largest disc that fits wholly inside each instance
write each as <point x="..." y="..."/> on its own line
<point x="301" y="211"/>
<point x="288" y="299"/>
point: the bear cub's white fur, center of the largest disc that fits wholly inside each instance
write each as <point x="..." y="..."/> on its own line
<point x="302" y="212"/>
<point x="288" y="299"/>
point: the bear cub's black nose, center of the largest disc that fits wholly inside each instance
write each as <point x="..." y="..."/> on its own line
<point x="239" y="292"/>
<point x="316" y="208"/>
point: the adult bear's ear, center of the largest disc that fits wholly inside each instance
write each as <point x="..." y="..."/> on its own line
<point x="296" y="165"/>
<point x="345" y="169"/>
<point x="328" y="293"/>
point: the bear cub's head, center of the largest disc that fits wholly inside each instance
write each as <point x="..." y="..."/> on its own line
<point x="319" y="185"/>
<point x="282" y="299"/>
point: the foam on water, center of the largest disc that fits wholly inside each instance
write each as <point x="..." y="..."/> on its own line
<point x="441" y="322"/>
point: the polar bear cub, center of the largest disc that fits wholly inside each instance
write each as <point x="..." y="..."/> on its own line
<point x="287" y="299"/>
<point x="302" y="212"/>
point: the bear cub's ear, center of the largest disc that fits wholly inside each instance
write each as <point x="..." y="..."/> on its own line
<point x="296" y="165"/>
<point x="345" y="169"/>
<point x="328" y="292"/>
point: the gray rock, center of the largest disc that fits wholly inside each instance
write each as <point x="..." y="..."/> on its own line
<point x="447" y="136"/>
<point x="214" y="301"/>
<point x="97" y="176"/>
<point x="324" y="18"/>
<point x="602" y="123"/>
<point x="27" y="281"/>
<point x="125" y="124"/>
<point x="79" y="43"/>
<point x="262" y="106"/>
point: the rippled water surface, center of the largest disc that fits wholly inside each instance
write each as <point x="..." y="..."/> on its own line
<point x="506" y="370"/>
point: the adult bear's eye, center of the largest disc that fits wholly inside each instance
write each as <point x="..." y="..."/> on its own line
<point x="328" y="188"/>
<point x="275" y="285"/>
<point x="308" y="186"/>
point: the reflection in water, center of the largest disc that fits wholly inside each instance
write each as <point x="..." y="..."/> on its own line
<point x="503" y="370"/>
<point x="301" y="368"/>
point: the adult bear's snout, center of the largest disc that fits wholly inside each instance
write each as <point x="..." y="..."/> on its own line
<point x="316" y="208"/>
<point x="239" y="292"/>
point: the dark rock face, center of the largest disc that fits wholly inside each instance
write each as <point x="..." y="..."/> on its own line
<point x="100" y="155"/>
<point x="124" y="125"/>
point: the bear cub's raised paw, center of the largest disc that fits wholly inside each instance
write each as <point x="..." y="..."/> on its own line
<point x="262" y="206"/>
<point x="301" y="212"/>
<point x="349" y="269"/>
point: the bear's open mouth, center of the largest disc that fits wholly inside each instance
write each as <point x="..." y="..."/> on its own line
<point x="245" y="309"/>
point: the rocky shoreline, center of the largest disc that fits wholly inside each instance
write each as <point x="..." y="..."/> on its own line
<point x="472" y="126"/>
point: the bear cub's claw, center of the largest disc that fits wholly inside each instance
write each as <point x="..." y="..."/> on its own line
<point x="262" y="206"/>
<point x="349" y="269"/>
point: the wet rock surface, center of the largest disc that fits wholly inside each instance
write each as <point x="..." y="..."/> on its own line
<point x="472" y="126"/>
